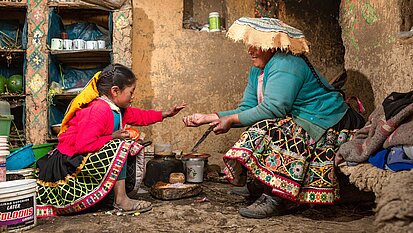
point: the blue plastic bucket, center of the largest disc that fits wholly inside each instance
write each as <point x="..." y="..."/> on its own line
<point x="21" y="158"/>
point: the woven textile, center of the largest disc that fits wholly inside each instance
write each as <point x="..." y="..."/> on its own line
<point x="92" y="181"/>
<point x="268" y="33"/>
<point x="282" y="155"/>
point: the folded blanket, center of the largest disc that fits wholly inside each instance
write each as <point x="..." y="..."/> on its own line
<point x="379" y="133"/>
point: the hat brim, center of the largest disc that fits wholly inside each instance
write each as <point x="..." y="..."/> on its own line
<point x="268" y="39"/>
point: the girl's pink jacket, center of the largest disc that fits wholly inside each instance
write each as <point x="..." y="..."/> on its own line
<point x="92" y="127"/>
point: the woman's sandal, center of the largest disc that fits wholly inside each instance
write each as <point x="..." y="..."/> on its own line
<point x="140" y="206"/>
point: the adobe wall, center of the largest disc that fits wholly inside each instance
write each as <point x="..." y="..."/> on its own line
<point x="377" y="61"/>
<point x="174" y="65"/>
<point x="207" y="70"/>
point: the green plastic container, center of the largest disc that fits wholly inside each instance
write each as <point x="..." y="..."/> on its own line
<point x="5" y="122"/>
<point x="41" y="150"/>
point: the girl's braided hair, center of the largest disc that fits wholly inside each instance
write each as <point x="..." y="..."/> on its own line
<point x="114" y="75"/>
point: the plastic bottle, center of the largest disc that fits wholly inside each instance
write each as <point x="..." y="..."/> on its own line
<point x="214" y="22"/>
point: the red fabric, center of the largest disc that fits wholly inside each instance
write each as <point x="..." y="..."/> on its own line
<point x="260" y="93"/>
<point x="92" y="127"/>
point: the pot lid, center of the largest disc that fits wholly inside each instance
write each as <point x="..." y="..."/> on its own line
<point x="192" y="156"/>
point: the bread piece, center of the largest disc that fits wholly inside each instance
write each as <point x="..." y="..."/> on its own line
<point x="176" y="177"/>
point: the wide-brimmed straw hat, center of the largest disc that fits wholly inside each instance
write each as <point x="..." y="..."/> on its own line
<point x="268" y="33"/>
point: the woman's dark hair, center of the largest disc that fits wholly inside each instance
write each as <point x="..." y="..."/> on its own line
<point x="114" y="75"/>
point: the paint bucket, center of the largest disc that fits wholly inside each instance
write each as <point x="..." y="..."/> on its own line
<point x="3" y="155"/>
<point x="17" y="205"/>
<point x="194" y="169"/>
<point x="27" y="173"/>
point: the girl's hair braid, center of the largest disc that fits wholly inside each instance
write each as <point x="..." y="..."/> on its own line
<point x="114" y="75"/>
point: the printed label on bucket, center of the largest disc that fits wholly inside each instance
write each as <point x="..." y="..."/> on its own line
<point x="17" y="214"/>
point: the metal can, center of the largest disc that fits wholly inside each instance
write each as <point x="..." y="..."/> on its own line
<point x="214" y="22"/>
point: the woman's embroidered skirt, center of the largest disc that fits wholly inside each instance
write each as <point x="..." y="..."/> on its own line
<point x="71" y="184"/>
<point x="283" y="156"/>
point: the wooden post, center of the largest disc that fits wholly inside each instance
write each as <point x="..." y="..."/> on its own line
<point x="122" y="35"/>
<point x="36" y="73"/>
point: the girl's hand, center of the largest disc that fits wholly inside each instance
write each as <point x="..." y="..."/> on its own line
<point x="224" y="123"/>
<point x="120" y="134"/>
<point x="174" y="110"/>
<point x="198" y="119"/>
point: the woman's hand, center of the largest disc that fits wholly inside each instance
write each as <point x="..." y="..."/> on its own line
<point x="224" y="123"/>
<point x="120" y="134"/>
<point x="173" y="110"/>
<point x="198" y="119"/>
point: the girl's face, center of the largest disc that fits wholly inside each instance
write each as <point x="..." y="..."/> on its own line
<point x="259" y="57"/>
<point x="123" y="98"/>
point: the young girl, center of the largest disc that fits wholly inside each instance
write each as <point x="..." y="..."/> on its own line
<point x="93" y="146"/>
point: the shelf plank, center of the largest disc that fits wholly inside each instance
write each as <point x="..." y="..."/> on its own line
<point x="66" y="96"/>
<point x="84" y="56"/>
<point x="13" y="96"/>
<point x="74" y="5"/>
<point x="80" y="52"/>
<point x="52" y="139"/>
<point x="16" y="4"/>
<point x="12" y="51"/>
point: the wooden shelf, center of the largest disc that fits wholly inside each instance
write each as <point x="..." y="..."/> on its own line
<point x="74" y="5"/>
<point x="22" y="4"/>
<point x="12" y="51"/>
<point x="52" y="139"/>
<point x="84" y="56"/>
<point x="12" y="96"/>
<point x="66" y="96"/>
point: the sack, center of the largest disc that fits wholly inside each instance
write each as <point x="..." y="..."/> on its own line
<point x="135" y="172"/>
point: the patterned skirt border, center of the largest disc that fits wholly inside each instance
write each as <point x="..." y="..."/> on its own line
<point x="96" y="195"/>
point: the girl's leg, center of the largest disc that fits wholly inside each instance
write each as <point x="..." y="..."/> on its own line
<point x="121" y="198"/>
<point x="124" y="202"/>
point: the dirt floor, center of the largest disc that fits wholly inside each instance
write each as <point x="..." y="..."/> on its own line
<point x="218" y="212"/>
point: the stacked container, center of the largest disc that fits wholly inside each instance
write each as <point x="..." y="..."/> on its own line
<point x="5" y="121"/>
<point x="5" y="118"/>
<point x="4" y="151"/>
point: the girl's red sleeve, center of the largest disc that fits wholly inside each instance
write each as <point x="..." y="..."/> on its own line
<point x="138" y="117"/>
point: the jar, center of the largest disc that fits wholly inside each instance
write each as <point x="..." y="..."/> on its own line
<point x="214" y="22"/>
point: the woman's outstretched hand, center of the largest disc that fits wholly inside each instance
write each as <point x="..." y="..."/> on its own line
<point x="198" y="119"/>
<point x="173" y="110"/>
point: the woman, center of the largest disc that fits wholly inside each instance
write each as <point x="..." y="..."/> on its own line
<point x="90" y="158"/>
<point x="296" y="121"/>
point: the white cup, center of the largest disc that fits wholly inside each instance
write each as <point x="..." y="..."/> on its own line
<point x="57" y="44"/>
<point x="101" y="44"/>
<point x="67" y="44"/>
<point x="78" y="44"/>
<point x="91" y="44"/>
